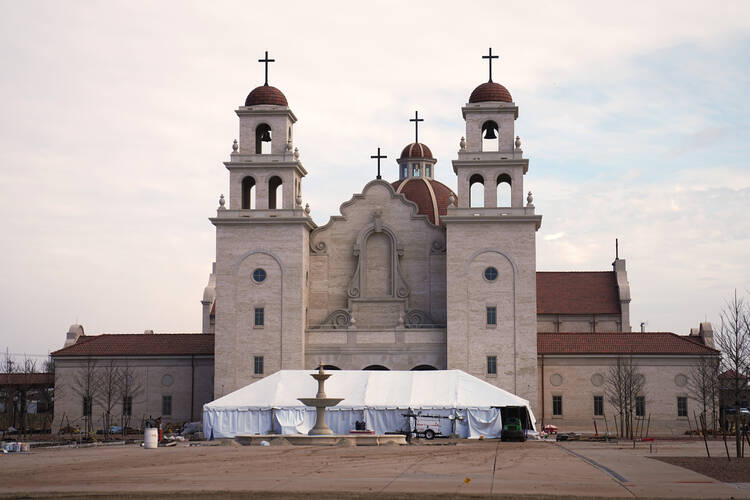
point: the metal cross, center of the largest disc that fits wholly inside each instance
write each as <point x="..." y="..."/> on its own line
<point x="266" y="60"/>
<point x="416" y="121"/>
<point x="378" y="156"/>
<point x="490" y="57"/>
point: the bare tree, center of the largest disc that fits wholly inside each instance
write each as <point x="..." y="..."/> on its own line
<point x="624" y="384"/>
<point x="7" y="391"/>
<point x="109" y="391"/>
<point x="130" y="386"/>
<point x="86" y="385"/>
<point x="23" y="388"/>
<point x="733" y="340"/>
<point x="703" y="386"/>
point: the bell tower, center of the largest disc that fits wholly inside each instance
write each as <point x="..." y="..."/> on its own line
<point x="491" y="249"/>
<point x="262" y="239"/>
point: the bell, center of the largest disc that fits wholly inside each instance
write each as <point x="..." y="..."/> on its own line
<point x="489" y="133"/>
<point x="266" y="137"/>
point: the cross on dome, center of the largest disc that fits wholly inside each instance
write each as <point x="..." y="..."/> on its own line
<point x="416" y="121"/>
<point x="379" y="157"/>
<point x="490" y="57"/>
<point x="265" y="61"/>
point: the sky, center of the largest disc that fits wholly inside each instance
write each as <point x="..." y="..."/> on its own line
<point x="117" y="116"/>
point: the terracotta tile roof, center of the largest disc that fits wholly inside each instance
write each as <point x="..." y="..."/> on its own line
<point x="158" y="344"/>
<point x="618" y="343"/>
<point x="731" y="375"/>
<point x="265" y="94"/>
<point x="415" y="189"/>
<point x="490" y="91"/>
<point x="27" y="379"/>
<point x="589" y="292"/>
<point x="416" y="150"/>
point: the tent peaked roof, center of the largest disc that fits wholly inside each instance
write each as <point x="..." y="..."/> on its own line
<point x="371" y="389"/>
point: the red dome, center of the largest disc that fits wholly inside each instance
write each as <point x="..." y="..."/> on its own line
<point x="430" y="196"/>
<point x="490" y="91"/>
<point x="265" y="94"/>
<point x="416" y="150"/>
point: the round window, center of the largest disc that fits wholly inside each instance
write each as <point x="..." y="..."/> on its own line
<point x="490" y="274"/>
<point x="259" y="275"/>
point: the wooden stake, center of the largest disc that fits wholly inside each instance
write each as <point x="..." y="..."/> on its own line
<point x="724" y="435"/>
<point x="703" y="426"/>
<point x="648" y="425"/>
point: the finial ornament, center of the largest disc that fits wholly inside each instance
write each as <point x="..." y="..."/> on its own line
<point x="518" y="142"/>
<point x="235" y="146"/>
<point x="289" y="145"/>
<point x="462" y="143"/>
<point x="451" y="200"/>
<point x="296" y="153"/>
<point x="378" y="157"/>
<point x="265" y="61"/>
<point x="222" y="202"/>
<point x="307" y="209"/>
<point x="298" y="199"/>
<point x="530" y="200"/>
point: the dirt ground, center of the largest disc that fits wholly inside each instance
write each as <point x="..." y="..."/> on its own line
<point x="468" y="469"/>
<point x="736" y="470"/>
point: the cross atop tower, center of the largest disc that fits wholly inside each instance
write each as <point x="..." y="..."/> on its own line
<point x="378" y="156"/>
<point x="266" y="60"/>
<point x="416" y="121"/>
<point x="489" y="57"/>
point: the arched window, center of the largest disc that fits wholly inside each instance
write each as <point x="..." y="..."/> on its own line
<point x="490" y="136"/>
<point x="428" y="170"/>
<point x="248" y="193"/>
<point x="330" y="367"/>
<point x="404" y="171"/>
<point x="504" y="190"/>
<point x="275" y="192"/>
<point x="415" y="169"/>
<point x="376" y="368"/>
<point x="421" y="368"/>
<point x="476" y="191"/>
<point x="262" y="139"/>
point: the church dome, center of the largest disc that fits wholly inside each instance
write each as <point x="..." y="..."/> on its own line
<point x="265" y="94"/>
<point x="416" y="150"/>
<point x="432" y="197"/>
<point x="490" y="91"/>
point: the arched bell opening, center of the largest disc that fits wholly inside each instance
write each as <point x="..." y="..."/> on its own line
<point x="476" y="191"/>
<point x="504" y="183"/>
<point x="380" y="368"/>
<point x="275" y="192"/>
<point x="263" y="139"/>
<point x="248" y="193"/>
<point x="423" y="368"/>
<point x="490" y="136"/>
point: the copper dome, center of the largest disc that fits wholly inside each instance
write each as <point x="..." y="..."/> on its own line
<point x="265" y="94"/>
<point x="416" y="150"/>
<point x="490" y="91"/>
<point x="431" y="196"/>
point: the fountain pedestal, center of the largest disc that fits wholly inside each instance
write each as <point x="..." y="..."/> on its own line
<point x="320" y="402"/>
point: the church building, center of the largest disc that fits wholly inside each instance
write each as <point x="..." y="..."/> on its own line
<point x="410" y="275"/>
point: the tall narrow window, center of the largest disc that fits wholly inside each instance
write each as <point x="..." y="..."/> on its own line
<point x="598" y="406"/>
<point x="404" y="171"/>
<point x="504" y="191"/>
<point x="415" y="169"/>
<point x="491" y="365"/>
<point x="640" y="406"/>
<point x="491" y="315"/>
<point x="258" y="365"/>
<point x="166" y="405"/>
<point x="428" y="170"/>
<point x="476" y="191"/>
<point x="557" y="405"/>
<point x="275" y="192"/>
<point x="248" y="193"/>
<point x="259" y="316"/>
<point x="127" y="406"/>
<point x="682" y="406"/>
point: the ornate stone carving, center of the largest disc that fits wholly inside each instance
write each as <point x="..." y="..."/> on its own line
<point x="340" y="318"/>
<point x="416" y="318"/>
<point x="222" y="202"/>
<point x="357" y="283"/>
<point x="438" y="247"/>
<point x="235" y="146"/>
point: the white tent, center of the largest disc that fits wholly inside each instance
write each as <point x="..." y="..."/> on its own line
<point x="379" y="398"/>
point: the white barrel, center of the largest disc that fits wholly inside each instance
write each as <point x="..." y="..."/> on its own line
<point x="151" y="438"/>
